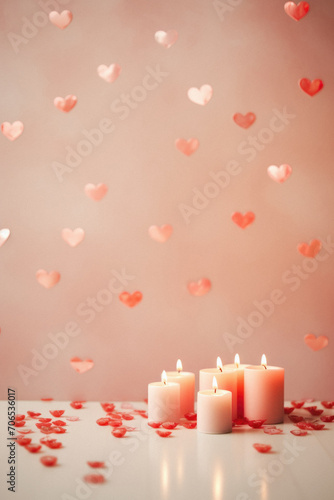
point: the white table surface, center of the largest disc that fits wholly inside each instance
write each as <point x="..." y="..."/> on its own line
<point x="187" y="465"/>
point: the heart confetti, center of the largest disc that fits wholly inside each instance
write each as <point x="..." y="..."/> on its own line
<point x="160" y="233"/>
<point x="130" y="300"/>
<point x="166" y="38"/>
<point x="200" y="96"/>
<point x="73" y="238"/>
<point x="61" y="20"/>
<point x="81" y="366"/>
<point x="297" y="12"/>
<point x="279" y="174"/>
<point x="65" y="104"/>
<point x="243" y="220"/>
<point x="244" y="121"/>
<point x="310" y="87"/>
<point x="262" y="448"/>
<point x="315" y="343"/>
<point x="48" y="460"/>
<point x="12" y="130"/>
<point x="310" y="250"/>
<point x="94" y="478"/>
<point x="4" y="235"/>
<point x="96" y="192"/>
<point x="96" y="465"/>
<point x="187" y="147"/>
<point x="199" y="288"/>
<point x="48" y="280"/>
<point x="109" y="73"/>
<point x="163" y="434"/>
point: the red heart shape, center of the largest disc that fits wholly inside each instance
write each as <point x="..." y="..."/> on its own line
<point x="73" y="238"/>
<point x="310" y="87"/>
<point x="315" y="343"/>
<point x="297" y="12"/>
<point x="65" y="104"/>
<point x="12" y="130"/>
<point x="80" y="365"/>
<point x="166" y="38"/>
<point x="130" y="300"/>
<point x="61" y="20"/>
<point x="96" y="192"/>
<point x="244" y="121"/>
<point x="243" y="220"/>
<point x="262" y="448"/>
<point x="279" y="174"/>
<point x="310" y="250"/>
<point x="200" y="96"/>
<point x="48" y="280"/>
<point x="199" y="288"/>
<point x="187" y="147"/>
<point x="161" y="233"/>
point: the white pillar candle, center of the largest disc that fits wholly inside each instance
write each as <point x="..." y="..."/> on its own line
<point x="187" y="388"/>
<point x="264" y="393"/>
<point x="163" y="401"/>
<point x="226" y="380"/>
<point x="239" y="368"/>
<point x="214" y="410"/>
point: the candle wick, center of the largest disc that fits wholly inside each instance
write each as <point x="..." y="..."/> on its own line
<point x="215" y="390"/>
<point x="178" y="371"/>
<point x="264" y="366"/>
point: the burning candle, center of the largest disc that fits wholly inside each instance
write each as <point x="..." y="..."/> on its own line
<point x="164" y="400"/>
<point x="214" y="410"/>
<point x="226" y="380"/>
<point x="239" y="368"/>
<point x="186" y="380"/>
<point x="264" y="392"/>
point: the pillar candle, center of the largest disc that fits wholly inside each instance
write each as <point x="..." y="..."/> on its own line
<point x="239" y="368"/>
<point x="186" y="380"/>
<point x="164" y="400"/>
<point x="264" y="393"/>
<point x="214" y="410"/>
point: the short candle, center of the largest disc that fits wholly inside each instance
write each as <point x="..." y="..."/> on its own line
<point x="186" y="380"/>
<point x="239" y="368"/>
<point x="214" y="410"/>
<point x="163" y="400"/>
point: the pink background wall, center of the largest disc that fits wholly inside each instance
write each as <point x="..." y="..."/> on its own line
<point x="253" y="55"/>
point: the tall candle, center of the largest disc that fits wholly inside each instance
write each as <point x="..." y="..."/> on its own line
<point x="164" y="400"/>
<point x="226" y="380"/>
<point x="214" y="410"/>
<point x="187" y="388"/>
<point x="264" y="393"/>
<point x="239" y="368"/>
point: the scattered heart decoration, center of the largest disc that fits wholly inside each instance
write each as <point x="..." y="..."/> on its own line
<point x="62" y="19"/>
<point x="244" y="121"/>
<point x="187" y="147"/>
<point x="96" y="192"/>
<point x="130" y="300"/>
<point x="109" y="73"/>
<point x="65" y="103"/>
<point x="48" y="280"/>
<point x="73" y="237"/>
<point x="80" y="365"/>
<point x="310" y="250"/>
<point x="200" y="287"/>
<point x="296" y="12"/>
<point x="4" y="235"/>
<point x="160" y="233"/>
<point x="279" y="174"/>
<point x="243" y="220"/>
<point x="200" y="96"/>
<point x="316" y="343"/>
<point x="166" y="38"/>
<point x="311" y="87"/>
<point x="12" y="130"/>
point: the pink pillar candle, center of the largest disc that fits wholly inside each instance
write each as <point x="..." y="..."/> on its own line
<point x="240" y="383"/>
<point x="164" y="401"/>
<point x="186" y="380"/>
<point x="214" y="411"/>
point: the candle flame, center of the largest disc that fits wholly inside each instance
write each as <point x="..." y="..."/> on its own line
<point x="179" y="365"/>
<point x="164" y="377"/>
<point x="214" y="384"/>
<point x="264" y="361"/>
<point x="237" y="360"/>
<point x="219" y="364"/>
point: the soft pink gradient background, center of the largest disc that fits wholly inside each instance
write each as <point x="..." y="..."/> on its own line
<point x="253" y="59"/>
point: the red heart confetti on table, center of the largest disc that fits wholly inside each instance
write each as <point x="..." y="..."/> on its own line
<point x="48" y="460"/>
<point x="200" y="287"/>
<point x="33" y="414"/>
<point x="272" y="430"/>
<point x="243" y="220"/>
<point x="65" y="104"/>
<point x="191" y="416"/>
<point x="23" y="441"/>
<point x="12" y="130"/>
<point x="328" y="404"/>
<point x="109" y="73"/>
<point x="166" y="38"/>
<point x="33" y="448"/>
<point x="96" y="465"/>
<point x="96" y="192"/>
<point x="296" y="12"/>
<point x="19" y="423"/>
<point x="244" y="121"/>
<point x="255" y="424"/>
<point x="187" y="146"/>
<point x="200" y="96"/>
<point x="72" y="419"/>
<point x="279" y="174"/>
<point x="130" y="299"/>
<point x="315" y="343"/>
<point x="189" y="425"/>
<point x="327" y="418"/>
<point x="262" y="448"/>
<point x="94" y="478"/>
<point x="4" y="235"/>
<point x="169" y="425"/>
<point x="154" y="425"/>
<point x="299" y="432"/>
<point x="295" y="418"/>
<point x="24" y="431"/>
<point x="288" y="409"/>
<point x="298" y="404"/>
<point x="76" y="405"/>
<point x="108" y="406"/>
<point x="73" y="237"/>
<point x="62" y="19"/>
<point x="19" y="417"/>
<point x="310" y="250"/>
<point x="163" y="434"/>
<point x="103" y="421"/>
<point x="119" y="433"/>
<point x="310" y="87"/>
<point x="48" y="280"/>
<point x="160" y="233"/>
<point x="313" y="410"/>
<point x="80" y="365"/>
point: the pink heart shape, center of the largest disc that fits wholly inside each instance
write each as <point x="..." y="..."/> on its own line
<point x="200" y="287"/>
<point x="166" y="39"/>
<point x="279" y="174"/>
<point x="80" y="365"/>
<point x="61" y="20"/>
<point x="315" y="343"/>
<point x="4" y="235"/>
<point x="48" y="280"/>
<point x="297" y="12"/>
<point x="109" y="73"/>
<point x="187" y="147"/>
<point x="200" y="96"/>
<point x="130" y="300"/>
<point x="65" y="104"/>
<point x="96" y="192"/>
<point x="310" y="250"/>
<point x="161" y="233"/>
<point x="311" y="87"/>
<point x="12" y="130"/>
<point x="244" y="121"/>
<point x="243" y="220"/>
<point x="73" y="238"/>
